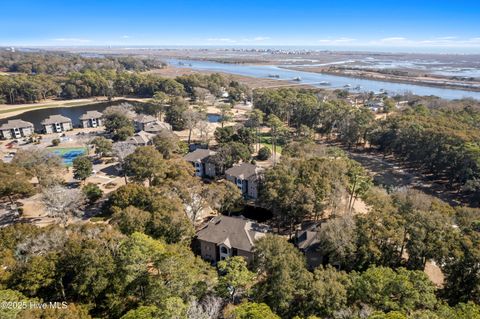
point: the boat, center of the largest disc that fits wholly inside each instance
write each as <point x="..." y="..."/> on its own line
<point x="324" y="83"/>
<point x="274" y="76"/>
<point x="297" y="79"/>
<point x="347" y="85"/>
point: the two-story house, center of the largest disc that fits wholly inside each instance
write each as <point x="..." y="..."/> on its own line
<point x="225" y="236"/>
<point x="16" y="129"/>
<point x="56" y="124"/>
<point x="142" y="120"/>
<point x="247" y="178"/>
<point x="200" y="161"/>
<point x="91" y="119"/>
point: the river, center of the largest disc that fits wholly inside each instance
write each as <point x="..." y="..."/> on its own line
<point x="314" y="79"/>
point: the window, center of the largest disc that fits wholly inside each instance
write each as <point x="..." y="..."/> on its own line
<point x="223" y="250"/>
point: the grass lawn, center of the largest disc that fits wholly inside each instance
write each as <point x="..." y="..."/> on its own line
<point x="266" y="140"/>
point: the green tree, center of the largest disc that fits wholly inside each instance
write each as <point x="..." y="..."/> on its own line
<point x="462" y="278"/>
<point x="255" y="121"/>
<point x="276" y="128"/>
<point x="145" y="164"/>
<point x="386" y="289"/>
<point x="285" y="279"/>
<point x="229" y="154"/>
<point x="225" y="113"/>
<point x="159" y="101"/>
<point x="390" y="315"/>
<point x="252" y="310"/>
<point x="224" y="134"/>
<point x="168" y="144"/>
<point x="82" y="168"/>
<point x="118" y="121"/>
<point x="131" y="219"/>
<point x="359" y="182"/>
<point x="235" y="278"/>
<point x="92" y="192"/>
<point x="102" y="145"/>
<point x="11" y="296"/>
<point x="328" y="292"/>
<point x="264" y="153"/>
<point x="14" y="182"/>
<point x="142" y="312"/>
<point x="42" y="164"/>
<point x="174" y="115"/>
<point x="228" y="197"/>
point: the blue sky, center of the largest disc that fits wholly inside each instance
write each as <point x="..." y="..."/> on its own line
<point x="343" y="24"/>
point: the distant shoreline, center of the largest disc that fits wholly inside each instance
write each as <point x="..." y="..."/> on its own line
<point x="387" y="78"/>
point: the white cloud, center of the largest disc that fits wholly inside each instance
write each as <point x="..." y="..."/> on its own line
<point x="394" y="39"/>
<point x="224" y="40"/>
<point x="400" y="41"/>
<point x="125" y="37"/>
<point x="239" y="40"/>
<point x="337" y="41"/>
<point x="72" y="40"/>
<point x="261" y="38"/>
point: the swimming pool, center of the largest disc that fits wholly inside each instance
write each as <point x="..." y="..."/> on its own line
<point x="69" y="154"/>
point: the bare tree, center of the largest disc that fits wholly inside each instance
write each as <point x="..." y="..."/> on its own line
<point x="125" y="109"/>
<point x="210" y="307"/>
<point x="41" y="163"/>
<point x="192" y="118"/>
<point x="196" y="197"/>
<point x="41" y="244"/>
<point x="205" y="130"/>
<point x="62" y="203"/>
<point x="121" y="151"/>
<point x="337" y="238"/>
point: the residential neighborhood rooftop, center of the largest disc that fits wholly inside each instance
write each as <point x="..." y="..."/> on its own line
<point x="157" y="126"/>
<point x="141" y="137"/>
<point x="52" y="119"/>
<point x="91" y="115"/>
<point x="11" y="124"/>
<point x="237" y="232"/>
<point x="243" y="170"/>
<point x="144" y="118"/>
<point x="198" y="155"/>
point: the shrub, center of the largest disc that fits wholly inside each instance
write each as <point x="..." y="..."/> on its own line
<point x="93" y="192"/>
<point x="55" y="141"/>
<point x="264" y="153"/>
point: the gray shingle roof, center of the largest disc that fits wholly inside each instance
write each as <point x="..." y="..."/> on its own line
<point x="140" y="138"/>
<point x="143" y="118"/>
<point x="52" y="119"/>
<point x="307" y="239"/>
<point x="157" y="127"/>
<point x="11" y="124"/>
<point x="235" y="232"/>
<point x="243" y="171"/>
<point x="198" y="155"/>
<point x="91" y="115"/>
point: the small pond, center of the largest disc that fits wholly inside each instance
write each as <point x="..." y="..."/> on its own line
<point x="214" y="118"/>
